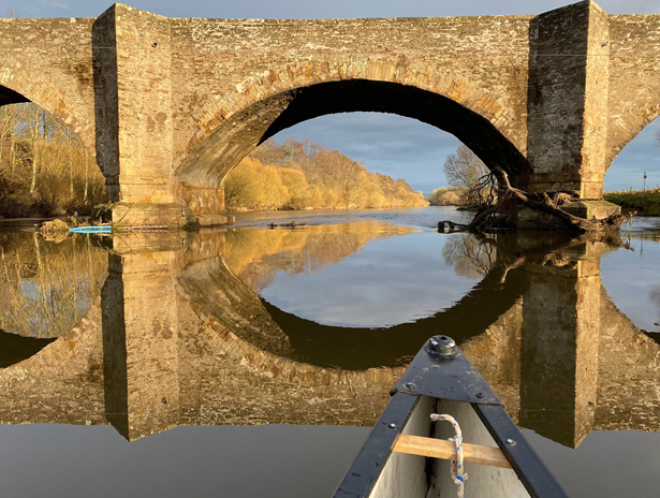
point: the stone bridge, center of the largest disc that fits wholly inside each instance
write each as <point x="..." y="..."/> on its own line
<point x="177" y="339"/>
<point x="171" y="105"/>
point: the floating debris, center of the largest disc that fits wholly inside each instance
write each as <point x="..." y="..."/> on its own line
<point x="293" y="224"/>
<point x="55" y="227"/>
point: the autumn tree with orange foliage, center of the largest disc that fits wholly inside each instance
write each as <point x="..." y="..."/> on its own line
<point x="303" y="175"/>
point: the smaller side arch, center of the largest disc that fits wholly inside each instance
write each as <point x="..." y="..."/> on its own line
<point x="16" y="88"/>
<point x="634" y="79"/>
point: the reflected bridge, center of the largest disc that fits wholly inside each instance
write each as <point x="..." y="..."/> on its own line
<point x="178" y="339"/>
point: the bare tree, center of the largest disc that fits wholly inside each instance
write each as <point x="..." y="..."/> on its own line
<point x="464" y="168"/>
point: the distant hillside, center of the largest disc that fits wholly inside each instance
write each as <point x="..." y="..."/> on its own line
<point x="449" y="196"/>
<point x="298" y="175"/>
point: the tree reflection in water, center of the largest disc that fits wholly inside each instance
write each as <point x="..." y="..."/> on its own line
<point x="256" y="255"/>
<point x="655" y="297"/>
<point x="471" y="256"/>
<point x="47" y="287"/>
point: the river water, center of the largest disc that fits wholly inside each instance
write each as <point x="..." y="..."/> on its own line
<point x="253" y="361"/>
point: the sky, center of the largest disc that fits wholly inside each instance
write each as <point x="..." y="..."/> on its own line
<point x="397" y="146"/>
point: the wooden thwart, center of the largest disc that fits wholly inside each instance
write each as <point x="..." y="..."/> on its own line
<point x="446" y="450"/>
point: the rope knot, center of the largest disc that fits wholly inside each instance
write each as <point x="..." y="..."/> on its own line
<point x="458" y="474"/>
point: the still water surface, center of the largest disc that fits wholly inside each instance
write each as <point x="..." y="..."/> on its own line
<point x="254" y="361"/>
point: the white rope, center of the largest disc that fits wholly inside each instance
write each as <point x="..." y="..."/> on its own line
<point x="458" y="473"/>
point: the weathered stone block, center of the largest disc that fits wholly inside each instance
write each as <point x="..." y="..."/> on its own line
<point x="148" y="216"/>
<point x="531" y="219"/>
<point x="590" y="210"/>
<point x="151" y="242"/>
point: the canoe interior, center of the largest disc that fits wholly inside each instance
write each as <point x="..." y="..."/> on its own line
<point x="410" y="476"/>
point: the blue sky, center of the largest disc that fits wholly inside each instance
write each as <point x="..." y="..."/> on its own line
<point x="308" y="9"/>
<point x="388" y="144"/>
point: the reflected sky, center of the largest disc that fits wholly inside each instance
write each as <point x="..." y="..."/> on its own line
<point x="236" y="462"/>
<point x="631" y="279"/>
<point x="397" y="280"/>
<point x="598" y="476"/>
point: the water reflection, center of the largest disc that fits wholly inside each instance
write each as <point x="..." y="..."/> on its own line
<point x="631" y="279"/>
<point x="470" y="256"/>
<point x="655" y="298"/>
<point x="180" y="337"/>
<point x="45" y="287"/>
<point x="256" y="256"/>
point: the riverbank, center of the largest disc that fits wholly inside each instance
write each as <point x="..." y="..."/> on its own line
<point x="645" y="203"/>
<point x="241" y="210"/>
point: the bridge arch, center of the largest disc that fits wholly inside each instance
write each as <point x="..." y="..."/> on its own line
<point x="263" y="105"/>
<point x="635" y="157"/>
<point x="625" y="127"/>
<point x="17" y="88"/>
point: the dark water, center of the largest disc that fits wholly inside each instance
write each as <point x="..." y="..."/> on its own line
<point x="253" y="361"/>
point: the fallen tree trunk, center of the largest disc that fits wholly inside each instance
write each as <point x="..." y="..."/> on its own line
<point x="496" y="214"/>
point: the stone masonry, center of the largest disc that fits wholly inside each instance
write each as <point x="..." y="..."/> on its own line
<point x="171" y="105"/>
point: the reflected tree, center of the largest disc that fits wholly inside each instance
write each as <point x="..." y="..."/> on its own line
<point x="471" y="256"/>
<point x="257" y="256"/>
<point x="46" y="288"/>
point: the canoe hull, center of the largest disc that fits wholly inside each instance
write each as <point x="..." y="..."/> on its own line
<point x="382" y="471"/>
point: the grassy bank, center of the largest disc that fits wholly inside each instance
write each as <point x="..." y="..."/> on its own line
<point x="645" y="203"/>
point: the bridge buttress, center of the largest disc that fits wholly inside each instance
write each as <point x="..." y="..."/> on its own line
<point x="135" y="123"/>
<point x="140" y="343"/>
<point x="568" y="99"/>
